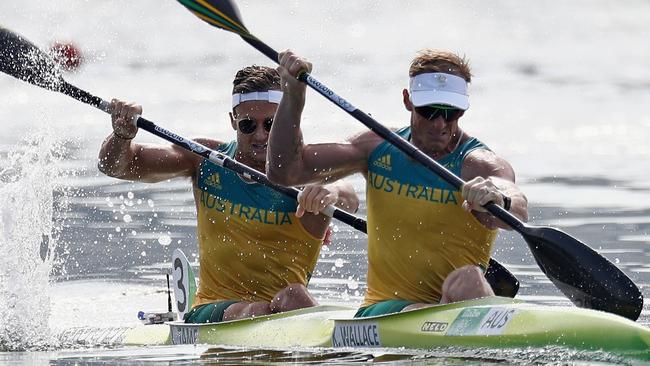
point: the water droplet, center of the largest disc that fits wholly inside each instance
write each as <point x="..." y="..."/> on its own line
<point x="164" y="240"/>
<point x="345" y="296"/>
<point x="130" y="195"/>
<point x="127" y="218"/>
<point x="118" y="229"/>
<point x="144" y="254"/>
<point x="353" y="284"/>
<point x="150" y="202"/>
<point x="338" y="262"/>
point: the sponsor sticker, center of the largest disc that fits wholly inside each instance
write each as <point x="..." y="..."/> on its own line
<point x="481" y="321"/>
<point x="437" y="327"/>
<point x="356" y="334"/>
<point x="184" y="334"/>
<point x="329" y="93"/>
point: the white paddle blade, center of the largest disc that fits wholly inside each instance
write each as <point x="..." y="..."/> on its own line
<point x="184" y="283"/>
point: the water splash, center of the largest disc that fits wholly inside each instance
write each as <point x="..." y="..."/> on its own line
<point x="27" y="241"/>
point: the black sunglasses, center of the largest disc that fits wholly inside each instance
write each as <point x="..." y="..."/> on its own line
<point x="248" y="126"/>
<point x="431" y="113"/>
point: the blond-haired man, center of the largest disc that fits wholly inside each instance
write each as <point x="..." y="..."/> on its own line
<point x="428" y="243"/>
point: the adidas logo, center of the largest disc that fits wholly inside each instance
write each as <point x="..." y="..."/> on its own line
<point x="213" y="180"/>
<point x="383" y="162"/>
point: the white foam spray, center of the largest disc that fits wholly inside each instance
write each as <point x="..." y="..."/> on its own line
<point x="28" y="179"/>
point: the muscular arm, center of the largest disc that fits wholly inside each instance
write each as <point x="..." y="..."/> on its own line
<point x="487" y="165"/>
<point x="320" y="163"/>
<point x="151" y="163"/>
<point x="120" y="157"/>
<point x="289" y="161"/>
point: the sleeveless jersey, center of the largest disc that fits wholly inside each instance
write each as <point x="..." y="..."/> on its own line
<point x="251" y="244"/>
<point x="417" y="230"/>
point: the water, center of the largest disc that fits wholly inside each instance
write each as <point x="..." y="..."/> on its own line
<point x="560" y="90"/>
<point x="27" y="186"/>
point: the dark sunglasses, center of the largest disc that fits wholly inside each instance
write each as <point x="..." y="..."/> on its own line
<point x="432" y="112"/>
<point x="248" y="126"/>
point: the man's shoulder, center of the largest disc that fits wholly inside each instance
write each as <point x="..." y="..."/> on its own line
<point x="197" y="159"/>
<point x="481" y="154"/>
<point x="485" y="163"/>
<point x="209" y="142"/>
<point x="369" y="140"/>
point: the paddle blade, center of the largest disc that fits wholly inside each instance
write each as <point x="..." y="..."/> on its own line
<point x="503" y="282"/>
<point x="584" y="276"/>
<point x="23" y="60"/>
<point x="222" y="14"/>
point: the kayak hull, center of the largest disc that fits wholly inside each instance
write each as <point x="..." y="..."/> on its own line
<point x="493" y="322"/>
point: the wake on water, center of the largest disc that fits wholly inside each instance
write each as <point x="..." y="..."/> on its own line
<point x="29" y="177"/>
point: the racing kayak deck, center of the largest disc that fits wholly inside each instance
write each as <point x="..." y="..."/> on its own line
<point x="493" y="322"/>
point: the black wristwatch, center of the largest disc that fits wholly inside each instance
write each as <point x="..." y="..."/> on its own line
<point x="507" y="202"/>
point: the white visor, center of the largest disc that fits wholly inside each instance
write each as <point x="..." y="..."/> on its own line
<point x="439" y="88"/>
<point x="271" y="96"/>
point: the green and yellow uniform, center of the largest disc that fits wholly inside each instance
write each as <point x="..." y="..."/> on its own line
<point x="418" y="232"/>
<point x="251" y="244"/>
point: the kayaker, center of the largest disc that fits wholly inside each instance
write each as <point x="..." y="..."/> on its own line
<point x="428" y="243"/>
<point x="257" y="248"/>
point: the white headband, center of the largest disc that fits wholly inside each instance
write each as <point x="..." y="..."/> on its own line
<point x="271" y="96"/>
<point x="439" y="88"/>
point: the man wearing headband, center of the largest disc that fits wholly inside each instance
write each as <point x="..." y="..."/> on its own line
<point x="428" y="243"/>
<point x="257" y="248"/>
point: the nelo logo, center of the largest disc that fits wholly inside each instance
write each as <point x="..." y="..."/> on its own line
<point x="434" y="327"/>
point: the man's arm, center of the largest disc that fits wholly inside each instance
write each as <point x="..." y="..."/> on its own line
<point x="144" y="162"/>
<point x="315" y="198"/>
<point x="347" y="198"/>
<point x="120" y="157"/>
<point x="289" y="161"/>
<point x="488" y="178"/>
